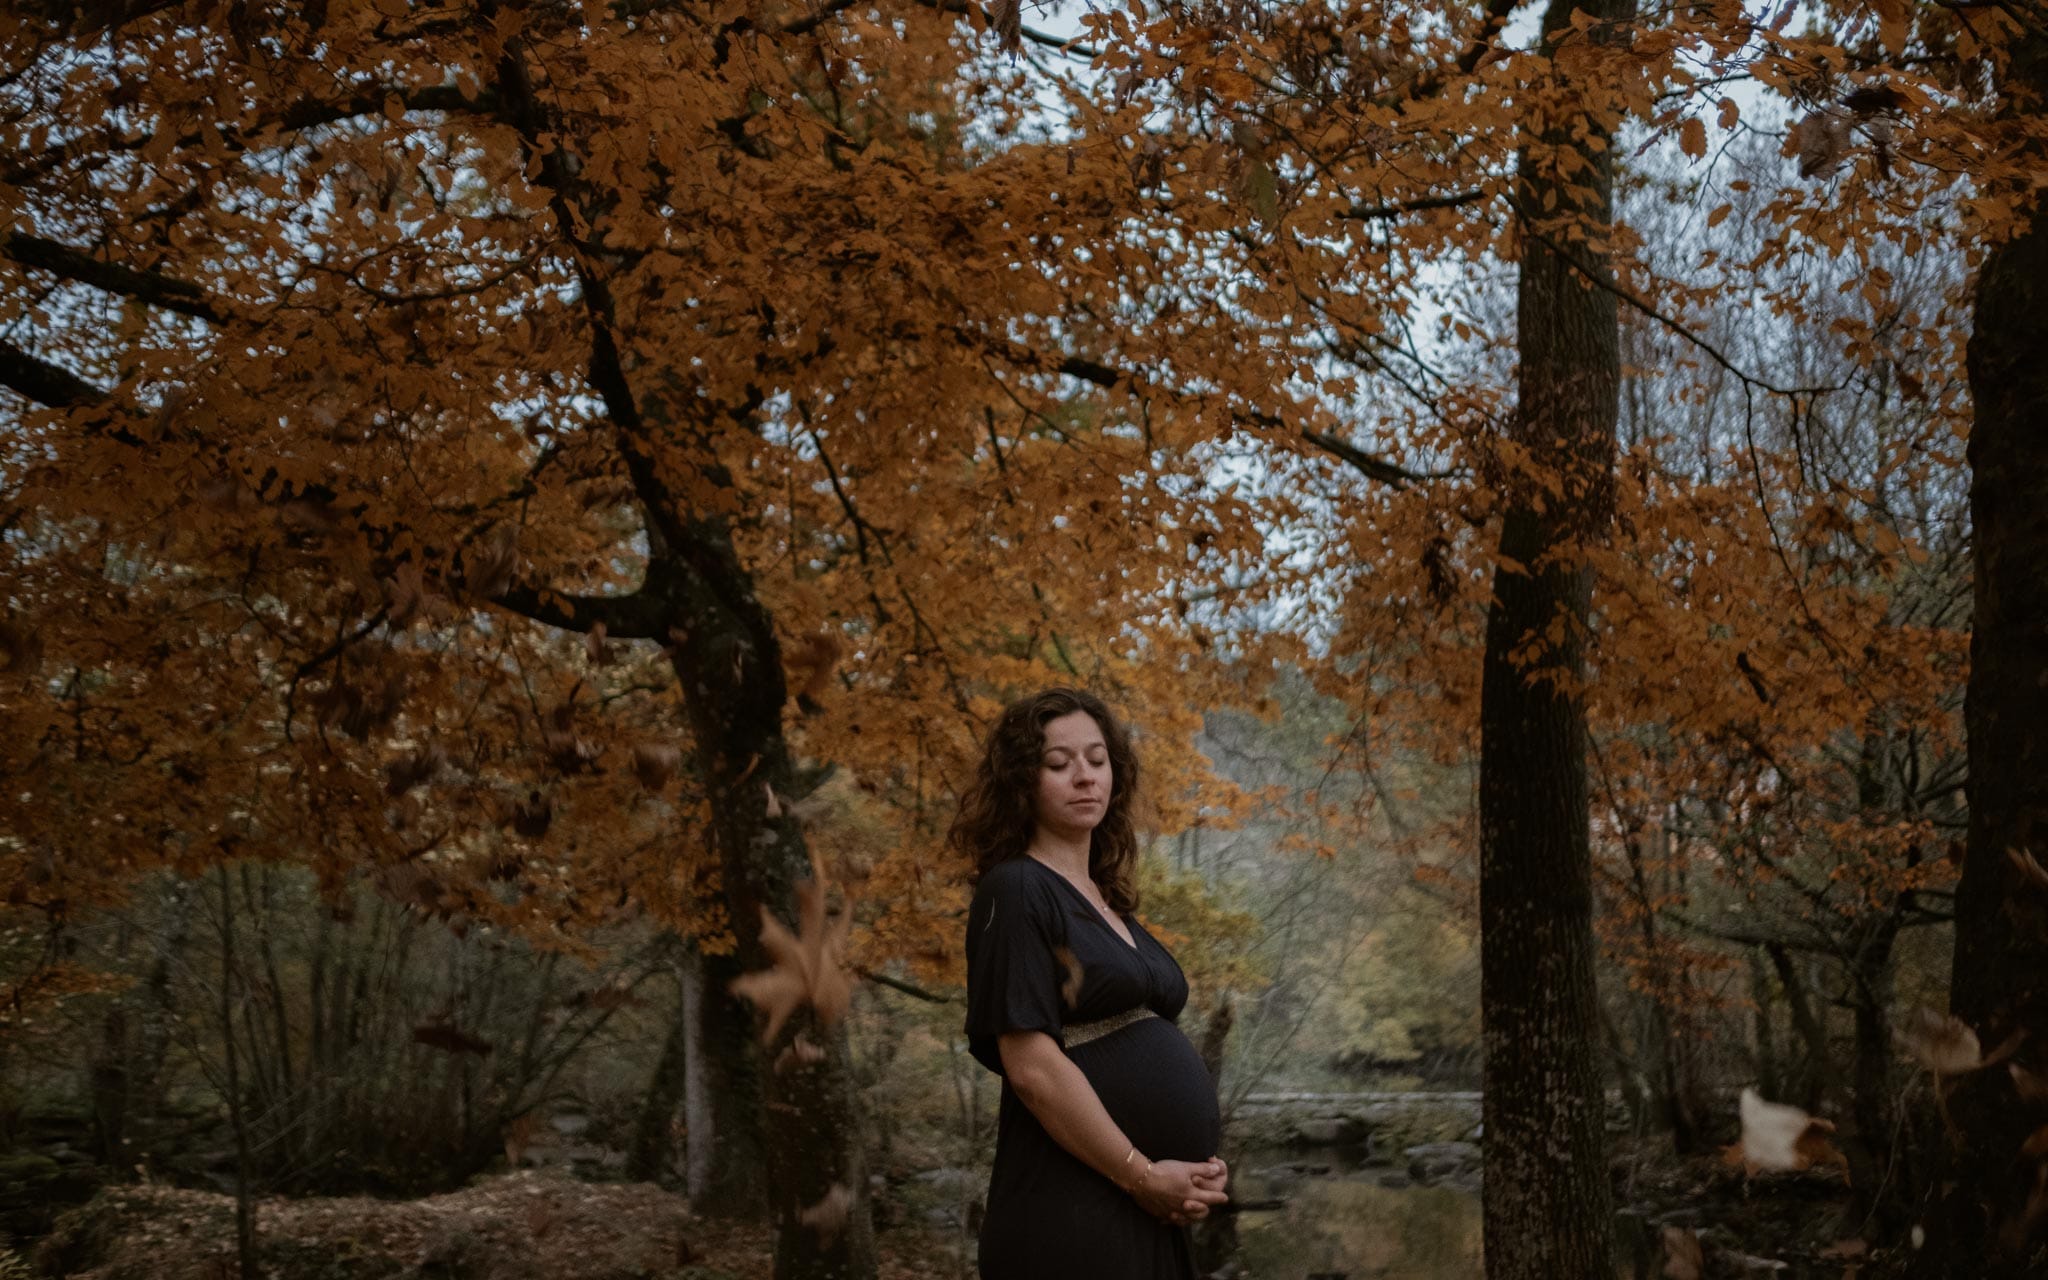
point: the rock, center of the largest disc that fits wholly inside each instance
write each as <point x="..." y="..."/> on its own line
<point x="1435" y="1161"/>
<point x="1331" y="1131"/>
<point x="1396" y="1181"/>
<point x="946" y="1181"/>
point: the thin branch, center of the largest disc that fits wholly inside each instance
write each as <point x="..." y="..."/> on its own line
<point x="1372" y="468"/>
<point x="907" y="988"/>
<point x="635" y="616"/>
<point x="1396" y="208"/>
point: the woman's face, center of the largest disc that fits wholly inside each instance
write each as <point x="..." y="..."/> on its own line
<point x="1074" y="775"/>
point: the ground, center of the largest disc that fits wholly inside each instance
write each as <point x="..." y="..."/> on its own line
<point x="523" y="1226"/>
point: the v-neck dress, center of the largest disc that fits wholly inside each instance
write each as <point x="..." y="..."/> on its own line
<point x="1029" y="933"/>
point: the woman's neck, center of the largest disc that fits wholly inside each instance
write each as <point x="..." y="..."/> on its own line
<point x="1066" y="854"/>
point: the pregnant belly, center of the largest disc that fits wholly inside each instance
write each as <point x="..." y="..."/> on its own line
<point x="1153" y="1084"/>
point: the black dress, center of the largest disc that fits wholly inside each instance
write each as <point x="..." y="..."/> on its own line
<point x="1049" y="1215"/>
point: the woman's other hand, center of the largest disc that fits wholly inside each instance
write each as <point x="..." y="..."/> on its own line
<point x="1181" y="1192"/>
<point x="1218" y="1181"/>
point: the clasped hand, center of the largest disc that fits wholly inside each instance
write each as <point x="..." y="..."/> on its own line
<point x="1180" y="1191"/>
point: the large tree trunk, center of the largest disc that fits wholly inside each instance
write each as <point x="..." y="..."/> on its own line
<point x="1547" y="1203"/>
<point x="649" y="1159"/>
<point x="730" y="668"/>
<point x="1993" y="1222"/>
<point x="725" y="1166"/>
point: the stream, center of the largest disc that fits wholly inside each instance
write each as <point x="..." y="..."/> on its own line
<point x="1354" y="1223"/>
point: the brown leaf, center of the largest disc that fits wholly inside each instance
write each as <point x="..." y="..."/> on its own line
<point x="811" y="662"/>
<point x="1008" y="20"/>
<point x="1783" y="1139"/>
<point x="1070" y="984"/>
<point x="1820" y="140"/>
<point x="654" y="763"/>
<point x="2036" y="1146"/>
<point x="805" y="967"/>
<point x="491" y="567"/>
<point x="2029" y="866"/>
<point x="828" y="1216"/>
<point x="1942" y="1043"/>
<point x="2032" y="1088"/>
<point x="449" y="1038"/>
<point x="1683" y="1259"/>
<point x="531" y="816"/>
<point x="1873" y="98"/>
<point x="801" y="1052"/>
<point x="1844" y="1250"/>
<point x="595" y="648"/>
<point x="401" y="776"/>
<point x="22" y="646"/>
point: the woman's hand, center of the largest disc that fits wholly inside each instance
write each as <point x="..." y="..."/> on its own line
<point x="1180" y="1192"/>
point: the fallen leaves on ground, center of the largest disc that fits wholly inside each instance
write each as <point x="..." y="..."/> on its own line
<point x="537" y="1225"/>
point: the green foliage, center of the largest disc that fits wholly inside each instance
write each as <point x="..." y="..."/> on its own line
<point x="1215" y="943"/>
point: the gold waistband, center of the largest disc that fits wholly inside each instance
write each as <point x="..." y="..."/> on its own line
<point x="1082" y="1032"/>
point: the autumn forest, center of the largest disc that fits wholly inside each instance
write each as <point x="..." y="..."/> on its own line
<point x="517" y="518"/>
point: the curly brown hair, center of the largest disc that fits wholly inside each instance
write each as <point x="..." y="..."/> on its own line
<point x="996" y="818"/>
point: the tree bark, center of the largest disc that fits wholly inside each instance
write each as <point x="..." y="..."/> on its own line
<point x="1992" y="1224"/>
<point x="1546" y="1201"/>
<point x="729" y="665"/>
<point x="245" y="1202"/>
<point x="649" y="1159"/>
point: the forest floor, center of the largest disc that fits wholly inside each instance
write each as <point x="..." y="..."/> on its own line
<point x="1697" y="1219"/>
<point x="522" y="1226"/>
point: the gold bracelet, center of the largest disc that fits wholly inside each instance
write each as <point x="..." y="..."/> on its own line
<point x="1132" y="1189"/>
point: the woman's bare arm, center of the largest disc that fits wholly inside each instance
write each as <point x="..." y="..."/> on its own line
<point x="1059" y="1095"/>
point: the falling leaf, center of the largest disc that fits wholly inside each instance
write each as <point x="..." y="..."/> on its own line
<point x="805" y="967"/>
<point x="490" y="568"/>
<point x="1070" y="983"/>
<point x="2036" y="1146"/>
<point x="654" y="763"/>
<point x="531" y="816"/>
<point x="22" y="647"/>
<point x="828" y="1216"/>
<point x="1820" y="140"/>
<point x="811" y="662"/>
<point x="1942" y="1043"/>
<point x="1683" y="1259"/>
<point x="1778" y="1138"/>
<point x="419" y="767"/>
<point x="802" y="1052"/>
<point x="1008" y="20"/>
<point x="2032" y="1088"/>
<point x="2029" y="866"/>
<point x="1871" y="98"/>
<point x="405" y="596"/>
<point x="595" y="648"/>
<point x="449" y="1038"/>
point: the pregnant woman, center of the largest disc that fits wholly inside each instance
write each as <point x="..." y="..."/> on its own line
<point x="1107" y="1132"/>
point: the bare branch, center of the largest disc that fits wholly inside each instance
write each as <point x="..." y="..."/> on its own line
<point x="43" y="382"/>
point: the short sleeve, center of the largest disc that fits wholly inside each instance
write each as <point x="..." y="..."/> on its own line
<point x="1013" y="967"/>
